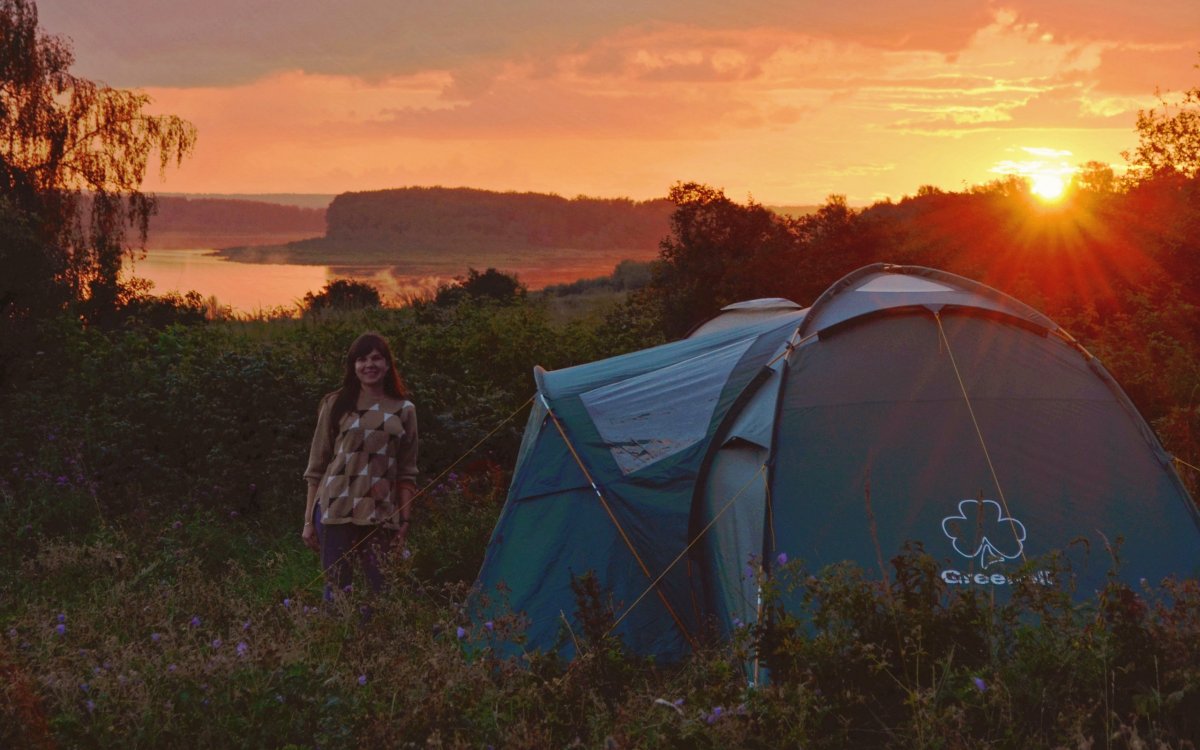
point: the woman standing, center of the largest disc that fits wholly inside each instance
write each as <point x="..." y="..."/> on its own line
<point x="362" y="467"/>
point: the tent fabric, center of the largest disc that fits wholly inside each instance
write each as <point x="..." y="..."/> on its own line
<point x="906" y="404"/>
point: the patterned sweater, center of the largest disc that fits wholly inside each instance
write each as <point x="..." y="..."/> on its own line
<point x="356" y="475"/>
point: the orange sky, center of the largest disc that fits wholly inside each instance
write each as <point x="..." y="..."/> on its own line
<point x="782" y="102"/>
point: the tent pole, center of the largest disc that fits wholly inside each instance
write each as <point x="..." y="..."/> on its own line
<point x="625" y="537"/>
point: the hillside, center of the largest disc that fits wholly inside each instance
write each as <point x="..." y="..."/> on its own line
<point x="203" y="222"/>
<point x="437" y="228"/>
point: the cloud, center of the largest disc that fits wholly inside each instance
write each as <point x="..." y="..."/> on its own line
<point x="1163" y="21"/>
<point x="1137" y="71"/>
<point x="187" y="43"/>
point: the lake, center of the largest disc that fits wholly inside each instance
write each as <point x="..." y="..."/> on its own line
<point x="253" y="287"/>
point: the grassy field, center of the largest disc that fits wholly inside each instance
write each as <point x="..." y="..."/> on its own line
<point x="156" y="592"/>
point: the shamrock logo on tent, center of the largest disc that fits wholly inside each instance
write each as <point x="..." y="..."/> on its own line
<point x="982" y="530"/>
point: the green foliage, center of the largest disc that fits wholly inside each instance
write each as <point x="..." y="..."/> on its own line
<point x="73" y="154"/>
<point x="342" y="294"/>
<point x="1169" y="137"/>
<point x="628" y="275"/>
<point x="489" y="286"/>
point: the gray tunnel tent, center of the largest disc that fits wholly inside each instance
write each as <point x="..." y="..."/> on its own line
<point x="907" y="404"/>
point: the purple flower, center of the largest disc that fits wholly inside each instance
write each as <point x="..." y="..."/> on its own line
<point x="195" y="621"/>
<point x="61" y="481"/>
<point x="287" y="603"/>
<point x="234" y="514"/>
<point x="782" y="558"/>
<point x="60" y="629"/>
<point x="90" y="706"/>
<point x="216" y="643"/>
<point x="278" y="698"/>
<point x="678" y="702"/>
<point x="349" y="587"/>
<point x="171" y="667"/>
<point x="461" y="632"/>
<point x="242" y="648"/>
<point x="405" y="554"/>
<point x="62" y="617"/>
<point x="980" y="685"/>
<point x="749" y="571"/>
<point x="177" y="525"/>
<point x="489" y="626"/>
<point x="84" y="687"/>
<point x="155" y="637"/>
<point x="362" y="680"/>
<point x="246" y="625"/>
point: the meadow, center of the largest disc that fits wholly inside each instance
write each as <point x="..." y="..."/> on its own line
<point x="156" y="592"/>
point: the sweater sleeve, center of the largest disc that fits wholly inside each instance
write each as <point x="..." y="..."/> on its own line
<point x="407" y="460"/>
<point x="320" y="453"/>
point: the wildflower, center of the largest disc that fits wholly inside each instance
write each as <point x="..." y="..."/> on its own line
<point x="62" y="617"/>
<point x="678" y="702"/>
<point x="242" y="648"/>
<point x="61" y="481"/>
<point x="362" y="680"/>
<point x="216" y="643"/>
<point x="738" y="624"/>
<point x="287" y="603"/>
<point x="177" y="525"/>
<point x="278" y="698"/>
<point x="349" y="587"/>
<point x="782" y="558"/>
<point x="749" y="571"/>
<point x="234" y="514"/>
<point x="171" y="667"/>
<point x="84" y="687"/>
<point x="245" y="625"/>
<point x="60" y="629"/>
<point x="12" y="632"/>
<point x="489" y="626"/>
<point x="461" y="632"/>
<point x="980" y="685"/>
<point x="90" y="706"/>
<point x="155" y="637"/>
<point x="405" y="554"/>
<point x="195" y="621"/>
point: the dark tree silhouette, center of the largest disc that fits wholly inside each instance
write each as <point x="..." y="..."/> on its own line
<point x="342" y="294"/>
<point x="73" y="154"/>
<point x="492" y="285"/>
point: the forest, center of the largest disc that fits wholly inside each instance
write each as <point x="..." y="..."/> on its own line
<point x="156" y="593"/>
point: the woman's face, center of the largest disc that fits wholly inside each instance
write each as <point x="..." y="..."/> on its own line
<point x="371" y="368"/>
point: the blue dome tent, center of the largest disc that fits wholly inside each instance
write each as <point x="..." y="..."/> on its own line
<point x="906" y="404"/>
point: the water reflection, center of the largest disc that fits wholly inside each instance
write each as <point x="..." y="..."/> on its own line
<point x="253" y="287"/>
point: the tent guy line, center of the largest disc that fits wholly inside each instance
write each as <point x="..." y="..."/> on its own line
<point x="937" y="315"/>
<point x="762" y="474"/>
<point x="613" y="518"/>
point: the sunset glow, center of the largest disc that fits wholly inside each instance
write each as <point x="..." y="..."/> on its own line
<point x="1048" y="187"/>
<point x="783" y="103"/>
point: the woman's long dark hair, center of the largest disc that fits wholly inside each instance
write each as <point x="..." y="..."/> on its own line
<point x="347" y="395"/>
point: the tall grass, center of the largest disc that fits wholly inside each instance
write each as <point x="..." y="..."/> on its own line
<point x="154" y="592"/>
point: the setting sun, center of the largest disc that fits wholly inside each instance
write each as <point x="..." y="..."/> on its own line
<point x="1048" y="187"/>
